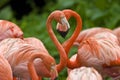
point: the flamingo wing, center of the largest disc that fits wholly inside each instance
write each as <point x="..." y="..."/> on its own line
<point x="100" y="50"/>
<point x="5" y="69"/>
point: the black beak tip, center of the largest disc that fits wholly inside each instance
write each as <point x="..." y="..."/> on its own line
<point x="63" y="33"/>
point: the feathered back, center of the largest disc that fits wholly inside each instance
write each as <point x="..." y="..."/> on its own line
<point x="84" y="73"/>
<point x="5" y="69"/>
<point x="100" y="49"/>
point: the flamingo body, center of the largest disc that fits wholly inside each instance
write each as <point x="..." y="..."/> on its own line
<point x="17" y="52"/>
<point x="88" y="33"/>
<point x="36" y="43"/>
<point x="5" y="69"/>
<point x="100" y="50"/>
<point x="84" y="73"/>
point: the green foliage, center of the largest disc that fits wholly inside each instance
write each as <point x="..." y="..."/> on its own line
<point x="3" y="2"/>
<point x="103" y="13"/>
<point x="6" y="13"/>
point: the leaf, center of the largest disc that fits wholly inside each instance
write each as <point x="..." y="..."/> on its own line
<point x="101" y="4"/>
<point x="6" y="13"/>
<point x="3" y="2"/>
<point x="112" y="23"/>
<point x="66" y="3"/>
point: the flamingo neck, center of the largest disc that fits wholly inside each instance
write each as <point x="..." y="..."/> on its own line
<point x="73" y="64"/>
<point x="68" y="44"/>
<point x="59" y="47"/>
<point x="31" y="67"/>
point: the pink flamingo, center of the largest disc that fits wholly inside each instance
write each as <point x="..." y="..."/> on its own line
<point x="9" y="30"/>
<point x="81" y="73"/>
<point x="84" y="73"/>
<point x="100" y="50"/>
<point x="5" y="69"/>
<point x="20" y="56"/>
<point x="17" y="48"/>
<point x="68" y="44"/>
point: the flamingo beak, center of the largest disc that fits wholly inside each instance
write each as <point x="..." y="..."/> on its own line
<point x="54" y="73"/>
<point x="63" y="28"/>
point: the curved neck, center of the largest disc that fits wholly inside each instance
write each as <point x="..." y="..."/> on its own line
<point x="68" y="44"/>
<point x="31" y="67"/>
<point x="59" y="47"/>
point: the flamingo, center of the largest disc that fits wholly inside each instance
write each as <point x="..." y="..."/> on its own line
<point x="81" y="73"/>
<point x="84" y="73"/>
<point x="116" y="31"/>
<point x="5" y="69"/>
<point x="9" y="30"/>
<point x="20" y="56"/>
<point x="99" y="50"/>
<point x="68" y="43"/>
<point x="18" y="48"/>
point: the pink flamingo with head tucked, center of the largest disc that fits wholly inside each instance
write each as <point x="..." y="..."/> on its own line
<point x="9" y="30"/>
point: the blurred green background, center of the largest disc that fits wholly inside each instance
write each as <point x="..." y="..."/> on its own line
<point x="31" y="16"/>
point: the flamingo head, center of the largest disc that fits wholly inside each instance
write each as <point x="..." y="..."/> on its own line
<point x="53" y="71"/>
<point x="51" y="67"/>
<point x="113" y="71"/>
<point x="10" y="29"/>
<point x="16" y="31"/>
<point x="63" y="25"/>
<point x="62" y="30"/>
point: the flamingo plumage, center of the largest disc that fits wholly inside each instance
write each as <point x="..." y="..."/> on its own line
<point x="84" y="34"/>
<point x="5" y="69"/>
<point x="84" y="73"/>
<point x="9" y="30"/>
